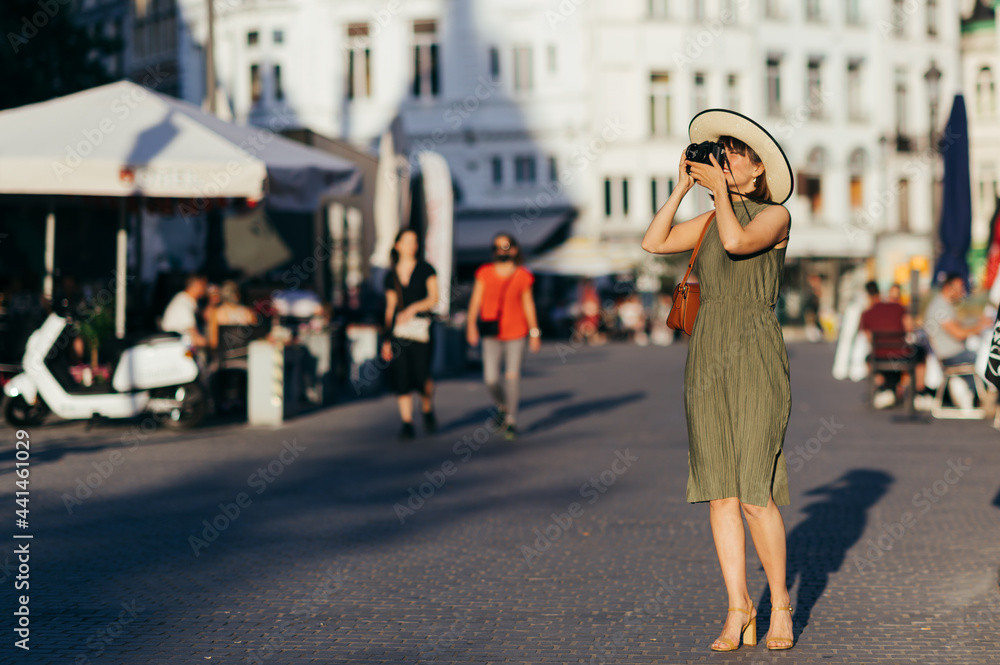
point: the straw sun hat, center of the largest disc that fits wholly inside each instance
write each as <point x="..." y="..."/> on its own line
<point x="711" y="124"/>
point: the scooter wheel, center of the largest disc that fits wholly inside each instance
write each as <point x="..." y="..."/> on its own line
<point x="192" y="408"/>
<point x="18" y="413"/>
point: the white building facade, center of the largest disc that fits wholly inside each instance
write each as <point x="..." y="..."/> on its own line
<point x="585" y="103"/>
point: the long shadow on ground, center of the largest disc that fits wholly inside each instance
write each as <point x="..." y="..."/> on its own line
<point x="818" y="545"/>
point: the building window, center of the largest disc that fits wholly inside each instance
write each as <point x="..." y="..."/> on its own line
<point x="252" y="38"/>
<point x="855" y="105"/>
<point x="812" y="181"/>
<point x="658" y="9"/>
<point x="426" y="74"/>
<point x="279" y="91"/>
<point x="853" y="12"/>
<point x="523" y="69"/>
<point x="733" y="92"/>
<point x="550" y="58"/>
<point x="359" y="61"/>
<point x="616" y="197"/>
<point x="727" y="11"/>
<point x="772" y="9"/>
<point x="904" y="204"/>
<point x="900" y="103"/>
<point x="700" y="93"/>
<point x="899" y="18"/>
<point x="814" y="87"/>
<point x="553" y="170"/>
<point x="985" y="93"/>
<point x="932" y="18"/>
<point x="497" y="163"/>
<point x="857" y="164"/>
<point x="660" y="187"/>
<point x="278" y="36"/>
<point x="774" y="85"/>
<point x="494" y="63"/>
<point x="813" y="10"/>
<point x="698" y="10"/>
<point x="524" y="170"/>
<point x="255" y="87"/>
<point x="659" y="104"/>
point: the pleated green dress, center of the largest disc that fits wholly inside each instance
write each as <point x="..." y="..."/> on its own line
<point x="736" y="390"/>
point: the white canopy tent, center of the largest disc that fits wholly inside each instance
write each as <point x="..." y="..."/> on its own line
<point x="580" y="256"/>
<point x="124" y="140"/>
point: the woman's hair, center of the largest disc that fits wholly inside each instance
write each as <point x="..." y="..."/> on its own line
<point x="519" y="257"/>
<point x="230" y="291"/>
<point x="761" y="192"/>
<point x="394" y="254"/>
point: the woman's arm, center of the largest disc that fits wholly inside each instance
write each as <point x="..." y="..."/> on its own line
<point x="665" y="237"/>
<point x="531" y="315"/>
<point x="764" y="231"/>
<point x="391" y="299"/>
<point x="426" y="304"/>
<point x="475" y="302"/>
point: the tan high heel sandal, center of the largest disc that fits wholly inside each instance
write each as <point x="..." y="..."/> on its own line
<point x="784" y="642"/>
<point x="749" y="631"/>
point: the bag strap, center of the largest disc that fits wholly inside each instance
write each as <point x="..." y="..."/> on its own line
<point x="503" y="291"/>
<point x="694" y="254"/>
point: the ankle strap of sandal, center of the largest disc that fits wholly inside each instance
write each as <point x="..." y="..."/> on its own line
<point x="778" y="609"/>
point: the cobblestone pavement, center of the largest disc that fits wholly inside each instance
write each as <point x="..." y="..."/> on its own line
<point x="327" y="541"/>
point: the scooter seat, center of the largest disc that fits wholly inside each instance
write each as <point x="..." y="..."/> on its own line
<point x="154" y="337"/>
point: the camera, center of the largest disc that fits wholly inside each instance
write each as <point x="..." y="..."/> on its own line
<point x="699" y="152"/>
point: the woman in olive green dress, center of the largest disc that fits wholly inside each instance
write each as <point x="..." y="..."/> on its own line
<point x="736" y="389"/>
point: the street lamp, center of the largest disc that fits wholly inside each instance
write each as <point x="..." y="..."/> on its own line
<point x="933" y="78"/>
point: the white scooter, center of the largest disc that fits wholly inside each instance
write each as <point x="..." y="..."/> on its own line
<point x="157" y="375"/>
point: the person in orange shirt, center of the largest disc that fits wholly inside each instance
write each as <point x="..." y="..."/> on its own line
<point x="502" y="314"/>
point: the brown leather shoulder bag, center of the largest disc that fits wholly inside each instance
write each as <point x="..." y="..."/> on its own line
<point x="687" y="295"/>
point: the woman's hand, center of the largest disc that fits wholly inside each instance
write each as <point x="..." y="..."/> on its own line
<point x="386" y="351"/>
<point x="710" y="176"/>
<point x="684" y="180"/>
<point x="406" y="314"/>
<point x="535" y="344"/>
<point x="472" y="335"/>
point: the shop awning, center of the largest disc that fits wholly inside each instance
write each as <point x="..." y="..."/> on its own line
<point x="474" y="231"/>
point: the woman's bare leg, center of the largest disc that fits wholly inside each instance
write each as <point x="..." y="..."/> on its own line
<point x="405" y="403"/>
<point x="767" y="529"/>
<point x="730" y="544"/>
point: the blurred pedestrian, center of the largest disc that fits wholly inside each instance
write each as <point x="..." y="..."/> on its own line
<point x="588" y="326"/>
<point x="502" y="314"/>
<point x="411" y="291"/>
<point x="633" y="320"/>
<point x="181" y="314"/>
<point x="737" y="418"/>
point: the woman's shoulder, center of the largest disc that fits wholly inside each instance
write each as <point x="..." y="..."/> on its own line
<point x="425" y="268"/>
<point x="525" y="275"/>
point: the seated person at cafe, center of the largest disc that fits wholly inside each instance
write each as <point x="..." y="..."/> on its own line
<point x="181" y="315"/>
<point x="225" y="310"/>
<point x="886" y="324"/>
